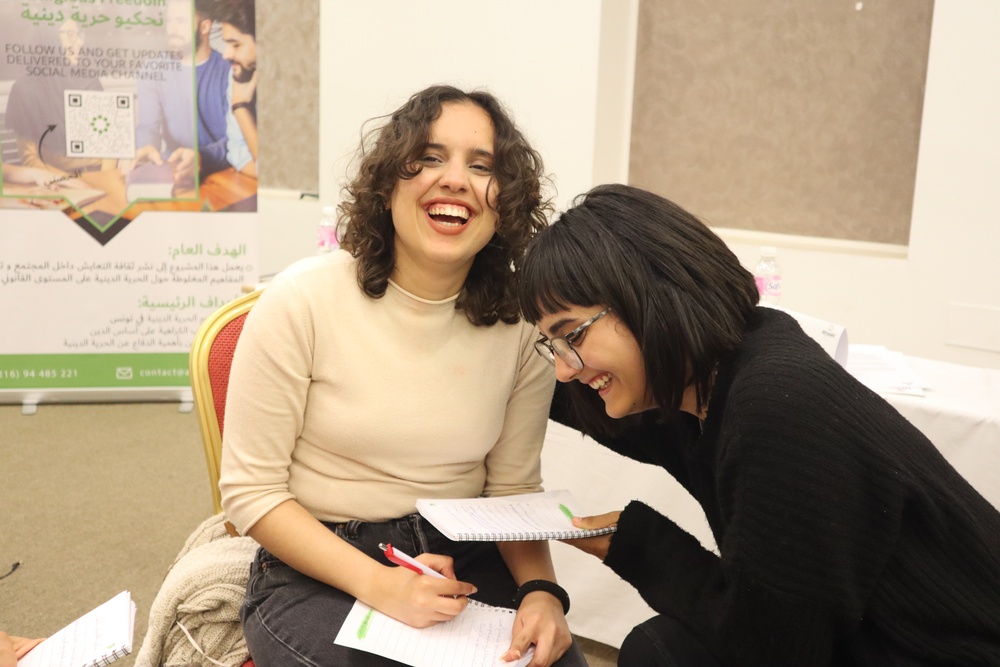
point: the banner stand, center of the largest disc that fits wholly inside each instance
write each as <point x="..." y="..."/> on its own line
<point x="128" y="193"/>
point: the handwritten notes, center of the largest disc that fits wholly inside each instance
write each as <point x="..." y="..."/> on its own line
<point x="99" y="637"/>
<point x="528" y="516"/>
<point x="475" y="638"/>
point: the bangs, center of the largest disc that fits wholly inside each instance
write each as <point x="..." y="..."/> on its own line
<point x="553" y="278"/>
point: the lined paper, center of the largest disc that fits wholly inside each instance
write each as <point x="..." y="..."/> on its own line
<point x="528" y="516"/>
<point x="97" y="638"/>
<point x="475" y="638"/>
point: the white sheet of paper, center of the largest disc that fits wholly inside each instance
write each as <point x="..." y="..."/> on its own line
<point x="99" y="637"/>
<point x="475" y="638"/>
<point x="884" y="371"/>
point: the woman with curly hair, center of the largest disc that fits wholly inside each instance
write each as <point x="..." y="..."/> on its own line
<point x="394" y="369"/>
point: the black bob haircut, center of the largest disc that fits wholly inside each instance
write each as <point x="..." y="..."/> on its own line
<point x="668" y="278"/>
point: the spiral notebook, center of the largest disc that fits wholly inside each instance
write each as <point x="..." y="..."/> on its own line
<point x="475" y="638"/>
<point x="97" y="638"/>
<point x="529" y="516"/>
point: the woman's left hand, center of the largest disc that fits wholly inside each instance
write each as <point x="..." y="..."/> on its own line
<point x="13" y="648"/>
<point x="595" y="546"/>
<point x="539" y="621"/>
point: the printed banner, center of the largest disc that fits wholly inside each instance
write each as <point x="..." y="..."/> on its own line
<point x="128" y="194"/>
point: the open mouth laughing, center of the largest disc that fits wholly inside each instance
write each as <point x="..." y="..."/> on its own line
<point x="600" y="382"/>
<point x="450" y="215"/>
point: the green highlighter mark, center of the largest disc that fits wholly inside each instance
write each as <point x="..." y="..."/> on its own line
<point x="565" y="510"/>
<point x="363" y="628"/>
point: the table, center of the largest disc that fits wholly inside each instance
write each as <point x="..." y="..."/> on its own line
<point x="960" y="414"/>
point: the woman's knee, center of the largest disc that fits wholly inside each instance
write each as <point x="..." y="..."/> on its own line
<point x="663" y="641"/>
<point x="638" y="650"/>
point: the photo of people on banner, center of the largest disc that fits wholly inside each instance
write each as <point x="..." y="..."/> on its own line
<point x="109" y="111"/>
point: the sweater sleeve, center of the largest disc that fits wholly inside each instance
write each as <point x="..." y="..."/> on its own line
<point x="213" y="156"/>
<point x="809" y="527"/>
<point x="268" y="388"/>
<point x="514" y="463"/>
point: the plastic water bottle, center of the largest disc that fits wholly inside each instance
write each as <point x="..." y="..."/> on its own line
<point x="326" y="233"/>
<point x="767" y="274"/>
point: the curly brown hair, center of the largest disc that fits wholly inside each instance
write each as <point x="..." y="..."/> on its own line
<point x="390" y="152"/>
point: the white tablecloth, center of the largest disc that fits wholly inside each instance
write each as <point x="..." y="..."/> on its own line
<point x="960" y="414"/>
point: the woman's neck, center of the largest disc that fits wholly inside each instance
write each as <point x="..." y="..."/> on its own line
<point x="432" y="284"/>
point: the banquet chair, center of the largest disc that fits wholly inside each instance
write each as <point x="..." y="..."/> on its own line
<point x="210" y="361"/>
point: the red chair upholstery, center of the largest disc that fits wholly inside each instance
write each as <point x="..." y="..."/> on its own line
<point x="210" y="361"/>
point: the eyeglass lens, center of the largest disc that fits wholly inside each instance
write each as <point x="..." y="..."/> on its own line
<point x="567" y="353"/>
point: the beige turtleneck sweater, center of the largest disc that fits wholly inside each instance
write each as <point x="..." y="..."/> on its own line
<point x="356" y="406"/>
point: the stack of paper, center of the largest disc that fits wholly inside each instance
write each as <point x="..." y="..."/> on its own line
<point x="884" y="371"/>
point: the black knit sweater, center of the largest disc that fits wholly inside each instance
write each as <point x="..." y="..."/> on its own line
<point x="845" y="537"/>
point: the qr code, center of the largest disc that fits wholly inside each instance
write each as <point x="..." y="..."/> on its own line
<point x="99" y="124"/>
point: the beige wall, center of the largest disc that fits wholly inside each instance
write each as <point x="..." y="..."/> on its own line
<point x="935" y="298"/>
<point x="783" y="116"/>
<point x="288" y="114"/>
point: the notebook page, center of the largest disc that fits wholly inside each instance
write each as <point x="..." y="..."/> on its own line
<point x="531" y="516"/>
<point x="99" y="637"/>
<point x="475" y="638"/>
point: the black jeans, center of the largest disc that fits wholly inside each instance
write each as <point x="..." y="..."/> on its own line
<point x="663" y="641"/>
<point x="292" y="619"/>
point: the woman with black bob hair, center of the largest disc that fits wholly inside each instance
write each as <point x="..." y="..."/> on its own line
<point x="844" y="537"/>
<point x="397" y="368"/>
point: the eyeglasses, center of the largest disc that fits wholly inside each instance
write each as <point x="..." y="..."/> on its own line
<point x="563" y="345"/>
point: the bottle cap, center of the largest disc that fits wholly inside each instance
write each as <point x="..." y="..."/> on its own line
<point x="768" y="251"/>
<point x="329" y="210"/>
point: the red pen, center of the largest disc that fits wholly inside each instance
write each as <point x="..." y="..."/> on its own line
<point x="401" y="559"/>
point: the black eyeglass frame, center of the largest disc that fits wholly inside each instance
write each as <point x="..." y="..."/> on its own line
<point x="549" y="348"/>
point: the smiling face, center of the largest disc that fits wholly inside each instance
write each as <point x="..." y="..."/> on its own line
<point x="240" y="50"/>
<point x="613" y="365"/>
<point x="442" y="216"/>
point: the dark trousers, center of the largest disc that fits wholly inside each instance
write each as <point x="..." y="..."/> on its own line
<point x="663" y="641"/>
<point x="291" y="619"/>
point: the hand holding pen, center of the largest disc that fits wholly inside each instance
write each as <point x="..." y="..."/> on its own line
<point x="399" y="558"/>
<point x="439" y="590"/>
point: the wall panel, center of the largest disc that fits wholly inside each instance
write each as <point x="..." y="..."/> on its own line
<point x="783" y="116"/>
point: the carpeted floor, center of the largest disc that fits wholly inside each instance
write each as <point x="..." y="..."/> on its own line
<point x="99" y="498"/>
